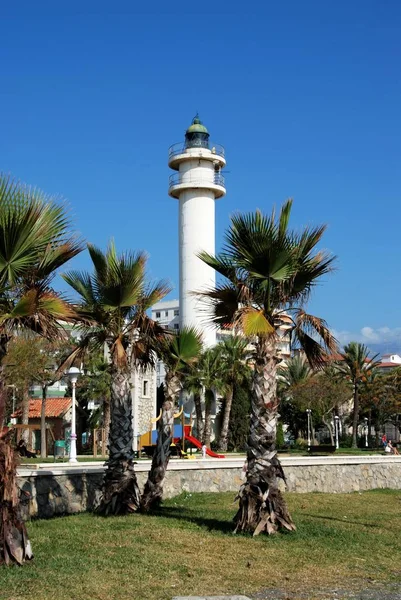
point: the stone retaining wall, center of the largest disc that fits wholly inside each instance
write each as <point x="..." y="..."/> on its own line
<point x="65" y="490"/>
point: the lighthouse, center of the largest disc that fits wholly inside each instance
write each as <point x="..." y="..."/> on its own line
<point x="197" y="183"/>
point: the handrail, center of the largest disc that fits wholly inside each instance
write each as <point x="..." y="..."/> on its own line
<point x="196" y="180"/>
<point x="181" y="148"/>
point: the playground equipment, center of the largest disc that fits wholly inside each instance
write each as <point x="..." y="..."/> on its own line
<point x="181" y="437"/>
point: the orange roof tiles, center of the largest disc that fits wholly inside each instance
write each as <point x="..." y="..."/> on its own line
<point x="55" y="407"/>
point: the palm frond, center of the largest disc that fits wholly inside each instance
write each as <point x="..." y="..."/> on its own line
<point x="315" y="338"/>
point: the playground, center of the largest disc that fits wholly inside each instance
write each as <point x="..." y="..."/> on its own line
<point x="183" y="441"/>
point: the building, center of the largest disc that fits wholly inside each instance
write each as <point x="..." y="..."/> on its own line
<point x="388" y="362"/>
<point x="197" y="183"/>
<point x="58" y="421"/>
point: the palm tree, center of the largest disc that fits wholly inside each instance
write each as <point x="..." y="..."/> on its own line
<point x="356" y="366"/>
<point x="35" y="240"/>
<point x="211" y="376"/>
<point x="179" y="353"/>
<point x="269" y="271"/>
<point x="234" y="357"/>
<point x="295" y="371"/>
<point x="193" y="385"/>
<point x="290" y="376"/>
<point x="115" y="298"/>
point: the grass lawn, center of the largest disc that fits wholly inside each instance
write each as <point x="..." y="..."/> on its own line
<point x="342" y="539"/>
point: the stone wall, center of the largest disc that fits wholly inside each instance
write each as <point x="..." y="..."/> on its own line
<point x="65" y="490"/>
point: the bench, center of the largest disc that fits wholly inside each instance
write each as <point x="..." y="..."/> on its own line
<point x="323" y="449"/>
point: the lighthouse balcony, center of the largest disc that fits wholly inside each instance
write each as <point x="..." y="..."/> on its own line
<point x="181" y="152"/>
<point x="179" y="182"/>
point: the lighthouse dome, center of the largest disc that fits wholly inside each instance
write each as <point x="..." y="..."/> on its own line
<point x="197" y="136"/>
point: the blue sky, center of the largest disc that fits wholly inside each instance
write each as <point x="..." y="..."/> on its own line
<point x="305" y="97"/>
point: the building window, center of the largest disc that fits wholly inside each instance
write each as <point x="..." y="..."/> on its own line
<point x="146" y="388"/>
<point x="158" y="315"/>
<point x="176" y="312"/>
<point x="176" y="326"/>
<point x="166" y="313"/>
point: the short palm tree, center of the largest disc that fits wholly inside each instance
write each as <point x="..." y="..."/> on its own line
<point x="268" y="271"/>
<point x="115" y="298"/>
<point x="179" y="353"/>
<point x="234" y="357"/>
<point x="35" y="240"/>
<point x="355" y="366"/>
<point x="193" y="386"/>
<point x="210" y="370"/>
<point x="296" y="371"/>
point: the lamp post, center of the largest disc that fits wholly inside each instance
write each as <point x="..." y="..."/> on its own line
<point x="73" y="375"/>
<point x="336" y="420"/>
<point x="308" y="412"/>
<point x="366" y="432"/>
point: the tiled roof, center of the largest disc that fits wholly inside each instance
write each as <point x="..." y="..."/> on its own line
<point x="389" y="364"/>
<point x="55" y="407"/>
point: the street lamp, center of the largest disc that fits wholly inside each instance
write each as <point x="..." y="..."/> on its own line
<point x="366" y="431"/>
<point x="336" y="420"/>
<point x="308" y="412"/>
<point x="73" y="375"/>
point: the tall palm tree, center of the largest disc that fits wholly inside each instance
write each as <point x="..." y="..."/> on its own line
<point x="234" y="357"/>
<point x="179" y="353"/>
<point x="356" y="366"/>
<point x="35" y="240"/>
<point x="268" y="271"/>
<point x="115" y="298"/>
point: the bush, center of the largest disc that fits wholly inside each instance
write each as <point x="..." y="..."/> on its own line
<point x="301" y="444"/>
<point x="239" y="420"/>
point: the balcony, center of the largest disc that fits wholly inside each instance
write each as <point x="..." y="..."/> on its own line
<point x="179" y="182"/>
<point x="179" y="152"/>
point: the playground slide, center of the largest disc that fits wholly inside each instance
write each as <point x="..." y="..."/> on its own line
<point x="197" y="443"/>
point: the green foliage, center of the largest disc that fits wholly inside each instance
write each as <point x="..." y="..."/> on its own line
<point x="280" y="435"/>
<point x="267" y="269"/>
<point x="239" y="421"/>
<point x="114" y="300"/>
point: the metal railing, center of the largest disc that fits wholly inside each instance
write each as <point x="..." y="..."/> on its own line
<point x="181" y="148"/>
<point x="180" y="178"/>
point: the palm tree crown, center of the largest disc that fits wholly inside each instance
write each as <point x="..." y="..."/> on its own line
<point x="114" y="300"/>
<point x="269" y="272"/>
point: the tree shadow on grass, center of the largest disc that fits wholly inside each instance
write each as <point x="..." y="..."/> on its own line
<point x="182" y="514"/>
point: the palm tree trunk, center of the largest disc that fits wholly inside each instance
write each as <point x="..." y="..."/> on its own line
<point x="106" y="423"/>
<point x="153" y="490"/>
<point x="120" y="487"/>
<point x="25" y="415"/>
<point x="328" y="425"/>
<point x="355" y="419"/>
<point x="15" y="546"/>
<point x="261" y="504"/>
<point x="207" y="433"/>
<point x="226" y="420"/>
<point x="200" y="426"/>
<point x="43" y="449"/>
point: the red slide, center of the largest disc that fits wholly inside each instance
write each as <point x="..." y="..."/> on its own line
<point x="197" y="443"/>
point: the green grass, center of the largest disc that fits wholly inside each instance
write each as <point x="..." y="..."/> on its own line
<point x="341" y="539"/>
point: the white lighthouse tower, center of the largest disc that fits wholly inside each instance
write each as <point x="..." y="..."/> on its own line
<point x="197" y="184"/>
